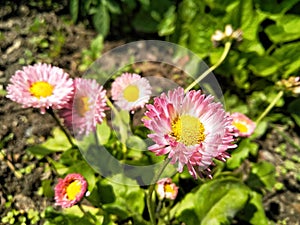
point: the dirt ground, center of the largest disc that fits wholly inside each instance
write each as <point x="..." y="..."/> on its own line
<point x="25" y="37"/>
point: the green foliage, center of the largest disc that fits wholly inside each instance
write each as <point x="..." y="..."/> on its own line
<point x="242" y="152"/>
<point x="21" y="218"/>
<point x="91" y="54"/>
<point x="268" y="52"/>
<point x="57" y="143"/>
<point x="126" y="16"/>
<point x="262" y="176"/>
<point x="218" y="202"/>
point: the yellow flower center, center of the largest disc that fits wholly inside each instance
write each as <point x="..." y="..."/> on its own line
<point x="169" y="189"/>
<point x="131" y="93"/>
<point x="240" y="126"/>
<point x="73" y="189"/>
<point x="188" y="130"/>
<point x="82" y="105"/>
<point x="41" y="89"/>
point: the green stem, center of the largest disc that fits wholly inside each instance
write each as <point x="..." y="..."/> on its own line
<point x="203" y="75"/>
<point x="117" y="114"/>
<point x="151" y="189"/>
<point x="87" y="213"/>
<point x="66" y="132"/>
<point x="111" y="105"/>
<point x="268" y="109"/>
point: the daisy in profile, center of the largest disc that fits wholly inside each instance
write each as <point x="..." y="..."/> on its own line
<point x="166" y="189"/>
<point x="70" y="190"/>
<point x="40" y="86"/>
<point x="87" y="107"/>
<point x="130" y="91"/>
<point x="190" y="128"/>
<point x="244" y="126"/>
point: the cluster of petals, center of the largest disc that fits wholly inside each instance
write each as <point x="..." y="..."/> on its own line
<point x="86" y="108"/>
<point x="244" y="125"/>
<point x="130" y="91"/>
<point x="217" y="133"/>
<point x="228" y="34"/>
<point x="70" y="190"/>
<point x="292" y="84"/>
<point x="27" y="87"/>
<point x="166" y="189"/>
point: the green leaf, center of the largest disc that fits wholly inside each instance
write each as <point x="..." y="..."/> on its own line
<point x="103" y="132"/>
<point x="259" y="130"/>
<point x="129" y="198"/>
<point x="274" y="7"/>
<point x="47" y="188"/>
<point x="72" y="216"/>
<point x="296" y="118"/>
<point x="97" y="45"/>
<point x="167" y="26"/>
<point x="284" y="29"/>
<point x="238" y="155"/>
<point x="250" y="25"/>
<point x="57" y="143"/>
<point x="113" y="6"/>
<point x="136" y="143"/>
<point x="101" y="20"/>
<point x="219" y="200"/>
<point x="289" y="56"/>
<point x="143" y="22"/>
<point x="188" y="216"/>
<point x="278" y="34"/>
<point x="74" y="8"/>
<point x="262" y="176"/>
<point x="101" y="194"/>
<point x="184" y="210"/>
<point x="293" y="108"/>
<point x="120" y="123"/>
<point x="254" y="211"/>
<point x="60" y="168"/>
<point x="263" y="65"/>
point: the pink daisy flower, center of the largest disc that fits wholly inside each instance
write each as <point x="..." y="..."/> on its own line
<point x="87" y="107"/>
<point x="130" y="91"/>
<point x="244" y="126"/>
<point x="40" y="86"/>
<point x="70" y="190"/>
<point x="166" y="189"/>
<point x="190" y="128"/>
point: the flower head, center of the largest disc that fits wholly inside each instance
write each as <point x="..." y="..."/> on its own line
<point x="292" y="84"/>
<point x="244" y="126"/>
<point x="228" y="34"/>
<point x="70" y="190"/>
<point x="190" y="128"/>
<point x="166" y="189"/>
<point x="87" y="107"/>
<point x="130" y="91"/>
<point x="40" y="86"/>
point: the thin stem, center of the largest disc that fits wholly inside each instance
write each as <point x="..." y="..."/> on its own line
<point x="57" y="120"/>
<point x="268" y="109"/>
<point x="151" y="189"/>
<point x="203" y="75"/>
<point x="111" y="105"/>
<point x="86" y="213"/>
<point x="117" y="114"/>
